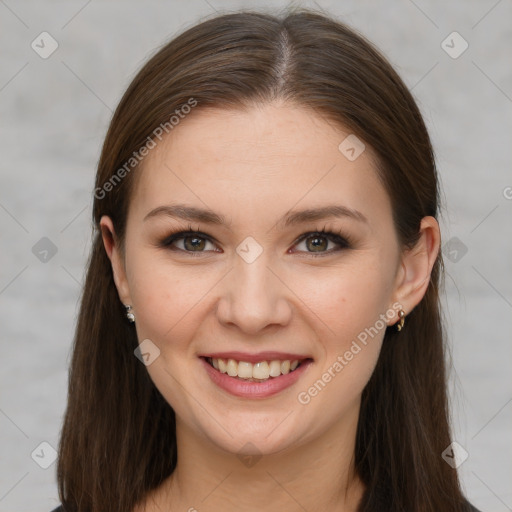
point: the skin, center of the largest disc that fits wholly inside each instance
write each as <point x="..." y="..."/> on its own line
<point x="253" y="167"/>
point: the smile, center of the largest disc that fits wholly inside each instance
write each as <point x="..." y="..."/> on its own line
<point x="259" y="379"/>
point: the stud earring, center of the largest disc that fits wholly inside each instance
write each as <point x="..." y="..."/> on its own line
<point x="401" y="321"/>
<point x="129" y="314"/>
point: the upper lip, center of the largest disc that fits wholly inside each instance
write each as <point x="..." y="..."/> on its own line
<point x="258" y="357"/>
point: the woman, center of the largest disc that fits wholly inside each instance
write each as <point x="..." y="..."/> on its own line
<point x="260" y="324"/>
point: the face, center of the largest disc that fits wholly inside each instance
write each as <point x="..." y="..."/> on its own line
<point x="257" y="282"/>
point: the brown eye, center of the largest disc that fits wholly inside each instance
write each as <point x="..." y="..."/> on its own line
<point x="318" y="242"/>
<point x="187" y="241"/>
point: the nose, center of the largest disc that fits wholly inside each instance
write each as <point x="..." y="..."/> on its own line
<point x="253" y="297"/>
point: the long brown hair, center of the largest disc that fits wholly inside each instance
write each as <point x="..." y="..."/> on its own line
<point x="118" y="440"/>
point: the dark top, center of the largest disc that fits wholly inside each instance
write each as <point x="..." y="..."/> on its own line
<point x="469" y="508"/>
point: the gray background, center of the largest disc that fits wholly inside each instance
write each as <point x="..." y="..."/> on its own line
<point x="54" y="113"/>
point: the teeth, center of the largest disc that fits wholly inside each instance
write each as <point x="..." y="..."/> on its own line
<point x="275" y="368"/>
<point x="222" y="366"/>
<point x="232" y="368"/>
<point x="245" y="370"/>
<point x="257" y="371"/>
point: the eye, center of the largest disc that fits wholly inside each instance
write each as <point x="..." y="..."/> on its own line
<point x="318" y="242"/>
<point x="188" y="241"/>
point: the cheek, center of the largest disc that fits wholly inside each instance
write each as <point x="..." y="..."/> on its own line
<point x="166" y="301"/>
<point x="346" y="299"/>
<point x="350" y="308"/>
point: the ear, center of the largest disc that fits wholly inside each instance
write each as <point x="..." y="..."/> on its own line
<point x="112" y="247"/>
<point x="413" y="275"/>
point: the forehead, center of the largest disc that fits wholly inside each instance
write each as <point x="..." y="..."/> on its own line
<point x="260" y="161"/>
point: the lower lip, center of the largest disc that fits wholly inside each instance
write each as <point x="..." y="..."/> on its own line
<point x="246" y="389"/>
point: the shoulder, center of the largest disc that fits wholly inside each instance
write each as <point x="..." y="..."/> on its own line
<point x="58" y="509"/>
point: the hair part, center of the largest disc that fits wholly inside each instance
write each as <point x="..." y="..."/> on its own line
<point x="118" y="439"/>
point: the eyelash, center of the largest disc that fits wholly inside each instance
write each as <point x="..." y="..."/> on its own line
<point x="333" y="235"/>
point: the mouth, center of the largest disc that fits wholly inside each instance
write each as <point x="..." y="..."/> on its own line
<point x="257" y="379"/>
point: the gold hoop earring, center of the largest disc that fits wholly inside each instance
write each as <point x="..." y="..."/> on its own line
<point x="401" y="321"/>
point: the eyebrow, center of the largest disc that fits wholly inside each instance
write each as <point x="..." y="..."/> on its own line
<point x="192" y="213"/>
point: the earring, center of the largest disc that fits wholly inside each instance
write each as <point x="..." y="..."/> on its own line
<point x="401" y="322"/>
<point x="129" y="314"/>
